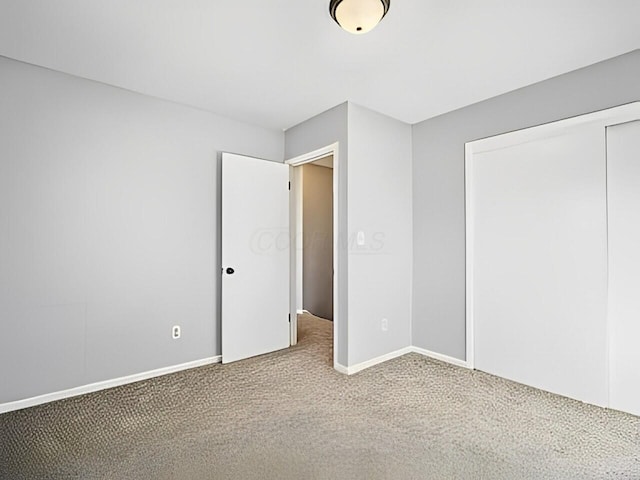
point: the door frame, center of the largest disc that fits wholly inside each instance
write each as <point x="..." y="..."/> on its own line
<point x="295" y="226"/>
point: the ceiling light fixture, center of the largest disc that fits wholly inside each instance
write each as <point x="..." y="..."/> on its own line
<point x="358" y="16"/>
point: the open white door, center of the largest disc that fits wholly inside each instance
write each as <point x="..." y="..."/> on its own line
<point x="255" y="257"/>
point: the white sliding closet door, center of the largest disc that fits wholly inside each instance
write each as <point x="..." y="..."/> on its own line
<point x="538" y="236"/>
<point x="623" y="163"/>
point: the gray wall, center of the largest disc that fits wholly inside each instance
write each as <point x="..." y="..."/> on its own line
<point x="380" y="206"/>
<point x="108" y="229"/>
<point x="109" y="220"/>
<point x="438" y="183"/>
<point x="320" y="131"/>
<point x="317" y="232"/>
<point x="375" y="174"/>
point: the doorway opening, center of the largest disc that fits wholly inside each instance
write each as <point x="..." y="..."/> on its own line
<point x="315" y="237"/>
<point x="314" y="227"/>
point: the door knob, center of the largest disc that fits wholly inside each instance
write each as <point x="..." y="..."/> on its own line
<point x="230" y="271"/>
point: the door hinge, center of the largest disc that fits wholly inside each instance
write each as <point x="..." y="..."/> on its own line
<point x="289" y="185"/>
<point x="289" y="318"/>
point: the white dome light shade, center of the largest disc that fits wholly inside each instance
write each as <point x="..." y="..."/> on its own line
<point x="358" y="16"/>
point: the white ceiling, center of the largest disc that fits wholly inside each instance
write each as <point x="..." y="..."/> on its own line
<point x="276" y="63"/>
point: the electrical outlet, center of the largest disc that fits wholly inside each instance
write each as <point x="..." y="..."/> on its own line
<point x="385" y="324"/>
<point x="175" y="332"/>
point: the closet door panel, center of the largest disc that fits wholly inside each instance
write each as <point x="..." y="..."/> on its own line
<point x="539" y="253"/>
<point x="623" y="164"/>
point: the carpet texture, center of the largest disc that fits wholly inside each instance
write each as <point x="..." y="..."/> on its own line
<point x="289" y="415"/>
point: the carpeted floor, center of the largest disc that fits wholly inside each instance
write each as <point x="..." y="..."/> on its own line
<point x="289" y="415"/>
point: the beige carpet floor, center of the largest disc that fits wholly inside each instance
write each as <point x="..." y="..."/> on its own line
<point x="289" y="415"/>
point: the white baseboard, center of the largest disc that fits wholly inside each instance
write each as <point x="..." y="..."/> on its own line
<point x="439" y="356"/>
<point x="341" y="368"/>
<point x="94" y="387"/>
<point x="398" y="353"/>
<point x="370" y="363"/>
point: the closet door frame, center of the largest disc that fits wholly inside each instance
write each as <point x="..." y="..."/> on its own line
<point x="623" y="203"/>
<point x="603" y="118"/>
